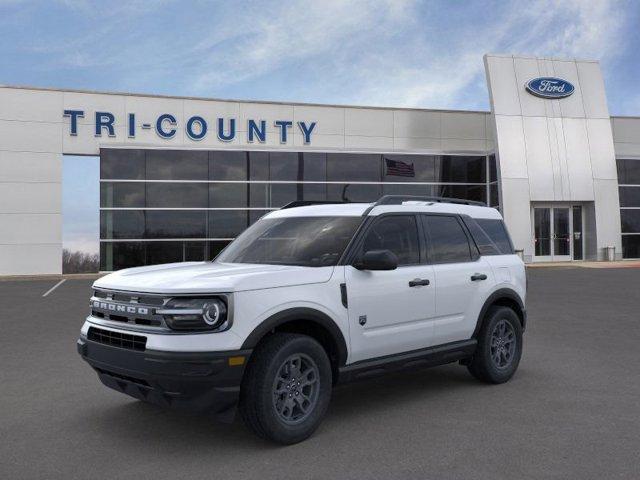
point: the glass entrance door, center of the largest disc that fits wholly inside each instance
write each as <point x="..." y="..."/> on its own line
<point x="561" y="235"/>
<point x="557" y="233"/>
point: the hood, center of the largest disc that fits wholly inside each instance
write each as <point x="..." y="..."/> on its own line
<point x="209" y="277"/>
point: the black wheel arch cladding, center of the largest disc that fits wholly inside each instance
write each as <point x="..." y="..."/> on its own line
<point x="296" y="319"/>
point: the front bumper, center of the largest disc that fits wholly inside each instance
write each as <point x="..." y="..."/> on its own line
<point x="195" y="381"/>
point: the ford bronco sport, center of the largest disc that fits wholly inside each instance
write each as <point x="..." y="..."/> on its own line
<point x="309" y="296"/>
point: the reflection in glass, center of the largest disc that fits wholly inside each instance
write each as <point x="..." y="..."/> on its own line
<point x="175" y="224"/>
<point x="355" y="167"/>
<point x="227" y="223"/>
<point x="116" y="194"/>
<point x="630" y="221"/>
<point x="228" y="165"/>
<point x="631" y="246"/>
<point x="177" y="165"/>
<point x="227" y="195"/>
<point x="125" y="164"/>
<point x="561" y="237"/>
<point x="577" y="232"/>
<point x="542" y="228"/>
<point x="177" y="195"/>
<point x="353" y="192"/>
<point x="121" y="224"/>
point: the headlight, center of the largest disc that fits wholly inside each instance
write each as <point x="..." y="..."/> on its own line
<point x="196" y="314"/>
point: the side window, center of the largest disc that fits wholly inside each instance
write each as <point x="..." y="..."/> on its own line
<point x="497" y="232"/>
<point x="447" y="239"/>
<point x="398" y="233"/>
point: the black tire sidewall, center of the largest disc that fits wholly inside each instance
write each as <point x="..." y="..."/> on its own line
<point x="272" y="425"/>
<point x="490" y="371"/>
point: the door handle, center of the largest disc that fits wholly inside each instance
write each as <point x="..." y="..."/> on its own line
<point x="418" y="282"/>
<point x="478" y="276"/>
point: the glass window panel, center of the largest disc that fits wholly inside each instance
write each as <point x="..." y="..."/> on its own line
<point x="195" y="251"/>
<point x="164" y="252"/>
<point x="630" y="221"/>
<point x="255" y="215"/>
<point x="228" y="165"/>
<point x="258" y="166"/>
<point x="177" y="165"/>
<point x="227" y="223"/>
<point x="122" y="195"/>
<point x="629" y="196"/>
<point x="397" y="233"/>
<point x="354" y="167"/>
<point x="542" y="231"/>
<point x="216" y="247"/>
<point x="447" y="241"/>
<point x="314" y="166"/>
<point x="284" y="166"/>
<point x="461" y="169"/>
<point x="494" y="199"/>
<point x="123" y="163"/>
<point x="176" y="224"/>
<point x="259" y="195"/>
<point x="628" y="171"/>
<point x="121" y="224"/>
<point x="418" y="190"/>
<point x="118" y="255"/>
<point x="177" y="195"/>
<point x="497" y="232"/>
<point x="283" y="193"/>
<point x="477" y="193"/>
<point x="353" y="192"/>
<point x="314" y="192"/>
<point x="493" y="169"/>
<point x="228" y="195"/>
<point x="409" y="168"/>
<point x="630" y="246"/>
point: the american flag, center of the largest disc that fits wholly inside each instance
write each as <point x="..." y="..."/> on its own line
<point x="398" y="168"/>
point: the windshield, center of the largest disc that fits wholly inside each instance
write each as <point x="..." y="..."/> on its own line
<point x="304" y="241"/>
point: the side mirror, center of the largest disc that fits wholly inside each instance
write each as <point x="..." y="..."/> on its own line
<point x="377" y="260"/>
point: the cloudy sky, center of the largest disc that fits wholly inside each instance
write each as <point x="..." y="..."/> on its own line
<point x="392" y="53"/>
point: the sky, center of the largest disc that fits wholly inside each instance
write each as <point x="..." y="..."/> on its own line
<point x="400" y="53"/>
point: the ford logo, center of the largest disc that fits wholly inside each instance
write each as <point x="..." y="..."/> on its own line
<point x="549" y="87"/>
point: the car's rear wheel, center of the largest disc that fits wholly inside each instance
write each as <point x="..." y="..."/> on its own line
<point x="287" y="387"/>
<point x="499" y="346"/>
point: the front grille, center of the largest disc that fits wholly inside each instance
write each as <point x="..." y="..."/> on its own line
<point x="117" y="339"/>
<point x="131" y="308"/>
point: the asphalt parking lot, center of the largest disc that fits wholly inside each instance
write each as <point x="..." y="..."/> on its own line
<point x="571" y="411"/>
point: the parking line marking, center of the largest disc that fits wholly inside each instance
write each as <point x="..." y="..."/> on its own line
<point x="54" y="287"/>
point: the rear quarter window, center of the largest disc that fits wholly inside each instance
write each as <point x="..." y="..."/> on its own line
<point x="497" y="232"/>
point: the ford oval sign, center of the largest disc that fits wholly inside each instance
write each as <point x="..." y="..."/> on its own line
<point x="549" y="87"/>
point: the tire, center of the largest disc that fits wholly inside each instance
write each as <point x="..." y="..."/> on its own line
<point x="496" y="359"/>
<point x="274" y="403"/>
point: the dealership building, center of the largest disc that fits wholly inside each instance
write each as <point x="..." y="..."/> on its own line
<point x="181" y="177"/>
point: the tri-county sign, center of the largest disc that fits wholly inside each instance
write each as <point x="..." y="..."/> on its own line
<point x="549" y="87"/>
<point x="196" y="127"/>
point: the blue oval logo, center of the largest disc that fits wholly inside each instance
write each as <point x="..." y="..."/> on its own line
<point x="549" y="87"/>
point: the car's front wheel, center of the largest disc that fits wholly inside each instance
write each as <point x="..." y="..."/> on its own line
<point x="287" y="387"/>
<point x="499" y="346"/>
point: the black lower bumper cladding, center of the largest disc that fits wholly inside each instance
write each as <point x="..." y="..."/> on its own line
<point x="203" y="382"/>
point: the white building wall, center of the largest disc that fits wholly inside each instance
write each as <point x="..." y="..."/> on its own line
<point x="30" y="182"/>
<point x="553" y="150"/>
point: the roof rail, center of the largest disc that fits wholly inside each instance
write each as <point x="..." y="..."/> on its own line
<point x="306" y="203"/>
<point x="399" y="199"/>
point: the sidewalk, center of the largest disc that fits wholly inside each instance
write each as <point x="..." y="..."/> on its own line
<point x="580" y="264"/>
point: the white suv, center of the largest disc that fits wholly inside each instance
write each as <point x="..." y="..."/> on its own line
<point x="309" y="296"/>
